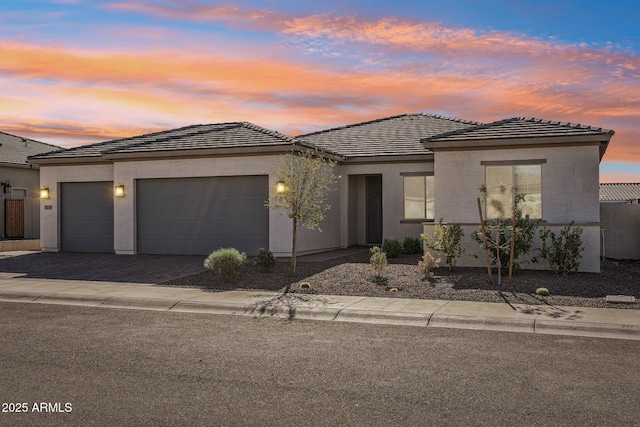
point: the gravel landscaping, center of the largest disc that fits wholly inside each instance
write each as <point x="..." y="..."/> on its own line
<point x="352" y="275"/>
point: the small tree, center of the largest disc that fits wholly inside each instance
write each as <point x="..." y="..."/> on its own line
<point x="505" y="240"/>
<point x="307" y="177"/>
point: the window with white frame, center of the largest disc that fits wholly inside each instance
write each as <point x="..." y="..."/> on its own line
<point x="525" y="179"/>
<point x="419" y="201"/>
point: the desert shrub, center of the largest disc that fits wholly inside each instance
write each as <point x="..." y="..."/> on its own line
<point x="499" y="240"/>
<point x="564" y="250"/>
<point x="378" y="260"/>
<point x="542" y="291"/>
<point x="427" y="264"/>
<point x="265" y="261"/>
<point x="446" y="240"/>
<point x="227" y="262"/>
<point x="411" y="245"/>
<point x="392" y="248"/>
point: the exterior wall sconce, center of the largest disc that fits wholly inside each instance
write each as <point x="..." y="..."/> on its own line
<point x="280" y="187"/>
<point x="6" y="187"/>
<point x="44" y="193"/>
<point x="119" y="191"/>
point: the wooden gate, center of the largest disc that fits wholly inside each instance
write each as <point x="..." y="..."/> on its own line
<point x="14" y="219"/>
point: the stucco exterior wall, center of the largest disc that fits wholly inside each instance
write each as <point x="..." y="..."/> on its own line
<point x="22" y="179"/>
<point x="570" y="191"/>
<point x="127" y="172"/>
<point x="392" y="199"/>
<point x="570" y="184"/>
<point x="620" y="223"/>
<point x="51" y="177"/>
<point x="328" y="236"/>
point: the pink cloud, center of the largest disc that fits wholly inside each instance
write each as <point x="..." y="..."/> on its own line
<point x="197" y="12"/>
<point x="372" y="68"/>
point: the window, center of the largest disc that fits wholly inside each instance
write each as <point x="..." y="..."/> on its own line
<point x="524" y="179"/>
<point x="419" y="201"/>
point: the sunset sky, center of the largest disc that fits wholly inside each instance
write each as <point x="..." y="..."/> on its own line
<point x="75" y="72"/>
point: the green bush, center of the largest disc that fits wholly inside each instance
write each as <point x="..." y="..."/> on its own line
<point x="411" y="245"/>
<point x="378" y="260"/>
<point x="446" y="240"/>
<point x="564" y="251"/>
<point x="227" y="262"/>
<point x="392" y="248"/>
<point x="265" y="261"/>
<point x="524" y="234"/>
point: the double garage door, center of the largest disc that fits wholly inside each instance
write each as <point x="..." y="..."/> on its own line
<point x="190" y="216"/>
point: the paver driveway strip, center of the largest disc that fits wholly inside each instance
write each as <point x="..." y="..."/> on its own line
<point x="101" y="267"/>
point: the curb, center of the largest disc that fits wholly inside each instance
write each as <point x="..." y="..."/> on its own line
<point x="383" y="317"/>
<point x="588" y="329"/>
<point x="536" y="324"/>
<point x="487" y="323"/>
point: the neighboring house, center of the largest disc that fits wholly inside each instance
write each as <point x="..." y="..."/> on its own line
<point x="194" y="189"/>
<point x="620" y="220"/>
<point x="623" y="192"/>
<point x="19" y="187"/>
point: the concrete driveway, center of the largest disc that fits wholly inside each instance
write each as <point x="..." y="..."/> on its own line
<point x="100" y="267"/>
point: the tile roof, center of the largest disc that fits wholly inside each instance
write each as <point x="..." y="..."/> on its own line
<point x="220" y="135"/>
<point x="391" y="136"/>
<point x="518" y="127"/>
<point x="619" y="192"/>
<point x="15" y="150"/>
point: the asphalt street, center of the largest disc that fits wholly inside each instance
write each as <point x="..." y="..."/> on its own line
<point x="68" y="365"/>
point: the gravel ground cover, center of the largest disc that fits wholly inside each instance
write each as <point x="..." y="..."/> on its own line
<point x="353" y="276"/>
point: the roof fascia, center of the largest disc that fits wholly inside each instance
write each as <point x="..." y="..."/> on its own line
<point x="54" y="161"/>
<point x="18" y="165"/>
<point x="471" y="144"/>
<point x="202" y="152"/>
<point x="218" y="152"/>
<point x="412" y="158"/>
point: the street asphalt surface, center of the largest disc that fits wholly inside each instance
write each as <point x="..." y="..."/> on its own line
<point x="129" y="367"/>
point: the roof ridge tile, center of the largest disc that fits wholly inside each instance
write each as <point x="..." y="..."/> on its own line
<point x="266" y="131"/>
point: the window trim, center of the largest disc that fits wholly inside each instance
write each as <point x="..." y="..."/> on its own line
<point x="525" y="162"/>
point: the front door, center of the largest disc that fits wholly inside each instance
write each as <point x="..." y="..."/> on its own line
<point x="374" y="209"/>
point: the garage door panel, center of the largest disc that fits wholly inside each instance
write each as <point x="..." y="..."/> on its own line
<point x="86" y="216"/>
<point x="200" y="215"/>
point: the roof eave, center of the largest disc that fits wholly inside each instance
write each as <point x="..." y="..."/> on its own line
<point x="51" y="161"/>
<point x="18" y="165"/>
<point x="198" y="152"/>
<point x="253" y="150"/>
<point x="484" y="144"/>
<point x="395" y="158"/>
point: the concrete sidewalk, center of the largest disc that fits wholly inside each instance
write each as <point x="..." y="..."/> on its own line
<point x="577" y="321"/>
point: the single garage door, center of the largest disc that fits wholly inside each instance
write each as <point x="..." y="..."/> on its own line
<point x="86" y="216"/>
<point x="196" y="216"/>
